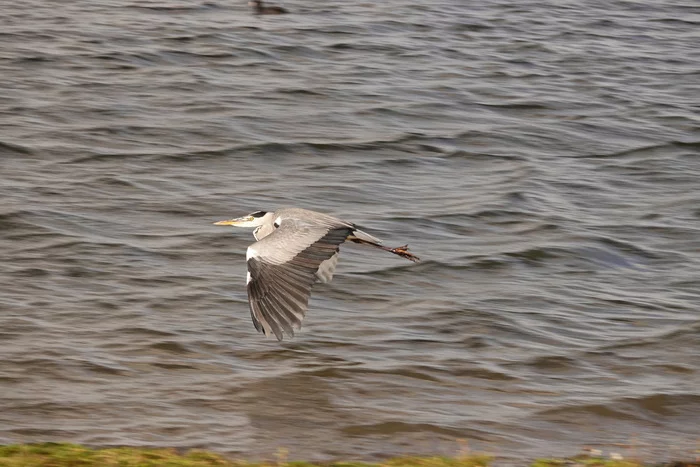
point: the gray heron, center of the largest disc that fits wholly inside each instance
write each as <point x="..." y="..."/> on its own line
<point x="295" y="248"/>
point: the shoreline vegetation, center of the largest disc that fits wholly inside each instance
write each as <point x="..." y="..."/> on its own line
<point x="73" y="455"/>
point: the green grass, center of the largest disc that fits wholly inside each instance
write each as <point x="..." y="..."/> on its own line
<point x="72" y="455"/>
<point x="585" y="462"/>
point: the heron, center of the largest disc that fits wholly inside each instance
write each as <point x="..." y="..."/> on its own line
<point x="294" y="249"/>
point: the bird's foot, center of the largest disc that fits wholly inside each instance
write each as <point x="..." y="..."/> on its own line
<point x="404" y="253"/>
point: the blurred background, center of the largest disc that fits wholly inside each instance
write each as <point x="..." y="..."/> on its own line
<point x="541" y="157"/>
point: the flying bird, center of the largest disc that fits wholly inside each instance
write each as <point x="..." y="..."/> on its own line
<point x="295" y="248"/>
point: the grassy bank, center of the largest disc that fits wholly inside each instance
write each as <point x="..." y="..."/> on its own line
<point x="71" y="455"/>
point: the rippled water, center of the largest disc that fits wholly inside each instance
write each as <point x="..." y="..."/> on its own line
<point x="543" y="158"/>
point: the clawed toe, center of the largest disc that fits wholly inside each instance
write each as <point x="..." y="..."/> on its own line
<point x="404" y="253"/>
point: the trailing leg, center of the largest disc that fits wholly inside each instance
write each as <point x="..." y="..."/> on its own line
<point x="400" y="250"/>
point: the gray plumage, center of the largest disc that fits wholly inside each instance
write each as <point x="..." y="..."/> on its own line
<point x="295" y="248"/>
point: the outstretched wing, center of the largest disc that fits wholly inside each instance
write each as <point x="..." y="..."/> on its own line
<point x="282" y="268"/>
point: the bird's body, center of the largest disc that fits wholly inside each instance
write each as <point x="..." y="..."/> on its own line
<point x="295" y="248"/>
<point x="260" y="9"/>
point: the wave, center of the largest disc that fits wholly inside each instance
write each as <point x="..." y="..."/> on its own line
<point x="14" y="149"/>
<point x="683" y="335"/>
<point x="644" y="151"/>
<point x="175" y="9"/>
<point x="394" y="428"/>
<point x="646" y="408"/>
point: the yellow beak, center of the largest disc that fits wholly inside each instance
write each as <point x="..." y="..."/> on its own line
<point x="234" y="221"/>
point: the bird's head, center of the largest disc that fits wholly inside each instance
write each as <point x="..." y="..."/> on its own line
<point x="254" y="219"/>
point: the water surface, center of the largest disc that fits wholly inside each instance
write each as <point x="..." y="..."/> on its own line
<point x="541" y="157"/>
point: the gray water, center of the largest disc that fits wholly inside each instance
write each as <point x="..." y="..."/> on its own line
<point x="542" y="157"/>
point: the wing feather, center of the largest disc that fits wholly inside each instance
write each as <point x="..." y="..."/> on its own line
<point x="283" y="267"/>
<point x="275" y="320"/>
